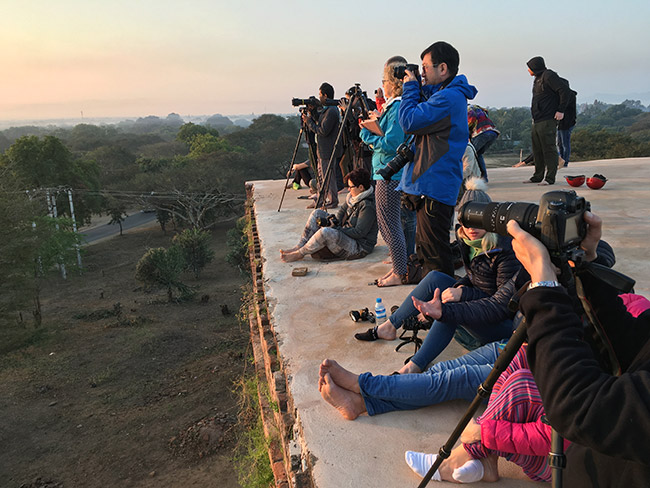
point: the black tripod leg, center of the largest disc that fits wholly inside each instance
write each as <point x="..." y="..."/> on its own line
<point x="500" y="365"/>
<point x="293" y="160"/>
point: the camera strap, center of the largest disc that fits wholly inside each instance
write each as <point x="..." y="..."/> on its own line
<point x="600" y="337"/>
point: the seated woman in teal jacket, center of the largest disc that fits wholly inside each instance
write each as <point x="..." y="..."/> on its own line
<point x="387" y="197"/>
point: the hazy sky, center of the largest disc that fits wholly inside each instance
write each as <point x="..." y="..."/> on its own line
<point x="153" y="57"/>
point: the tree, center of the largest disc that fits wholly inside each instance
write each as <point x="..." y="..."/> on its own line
<point x="31" y="246"/>
<point x="189" y="131"/>
<point x="160" y="267"/>
<point x="48" y="163"/>
<point x="117" y="212"/>
<point x="195" y="247"/>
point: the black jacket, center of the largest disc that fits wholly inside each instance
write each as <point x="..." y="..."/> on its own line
<point x="326" y="129"/>
<point x="550" y="93"/>
<point x="607" y="418"/>
<point x="571" y="111"/>
<point x="487" y="286"/>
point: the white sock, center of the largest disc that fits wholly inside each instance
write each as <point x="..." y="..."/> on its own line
<point x="469" y="472"/>
<point x="420" y="462"/>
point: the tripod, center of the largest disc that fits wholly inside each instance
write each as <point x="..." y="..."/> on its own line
<point x="556" y="458"/>
<point x="356" y="96"/>
<point x="312" y="161"/>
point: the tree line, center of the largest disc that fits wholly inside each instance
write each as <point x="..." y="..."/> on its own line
<point x="602" y="131"/>
<point x="190" y="174"/>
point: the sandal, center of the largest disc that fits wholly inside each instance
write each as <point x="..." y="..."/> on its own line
<point x="369" y="336"/>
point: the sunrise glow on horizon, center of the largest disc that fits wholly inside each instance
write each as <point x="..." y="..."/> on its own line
<point x="119" y="58"/>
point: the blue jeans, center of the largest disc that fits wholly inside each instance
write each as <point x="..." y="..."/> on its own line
<point x="457" y="379"/>
<point x="442" y="333"/>
<point x="424" y="291"/>
<point x="481" y="143"/>
<point x="408" y="224"/>
<point x="564" y="144"/>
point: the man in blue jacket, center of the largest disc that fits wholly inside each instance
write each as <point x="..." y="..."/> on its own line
<point x="436" y="114"/>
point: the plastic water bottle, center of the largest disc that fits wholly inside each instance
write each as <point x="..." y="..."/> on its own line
<point x="380" y="310"/>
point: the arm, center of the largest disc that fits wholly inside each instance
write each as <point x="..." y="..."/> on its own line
<point x="559" y="87"/>
<point x="393" y="133"/>
<point x="414" y="117"/>
<point x="584" y="403"/>
<point x="364" y="224"/>
<point x="487" y="309"/>
<point x="327" y="123"/>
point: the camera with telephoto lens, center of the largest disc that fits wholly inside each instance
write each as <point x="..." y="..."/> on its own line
<point x="399" y="72"/>
<point x="403" y="156"/>
<point x="313" y="102"/>
<point x="329" y="221"/>
<point x="558" y="221"/>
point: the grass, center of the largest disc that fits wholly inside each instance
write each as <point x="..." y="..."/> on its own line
<point x="251" y="458"/>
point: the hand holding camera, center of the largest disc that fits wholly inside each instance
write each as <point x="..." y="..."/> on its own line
<point x="329" y="221"/>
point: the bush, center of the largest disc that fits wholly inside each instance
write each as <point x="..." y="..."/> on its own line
<point x="160" y="267"/>
<point x="194" y="245"/>
<point x="237" y="243"/>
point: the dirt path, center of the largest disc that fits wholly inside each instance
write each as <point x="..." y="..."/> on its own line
<point x="119" y="387"/>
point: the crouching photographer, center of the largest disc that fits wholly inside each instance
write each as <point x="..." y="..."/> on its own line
<point x="601" y="406"/>
<point x="350" y="234"/>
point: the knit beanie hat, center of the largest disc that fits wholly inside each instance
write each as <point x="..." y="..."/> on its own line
<point x="475" y="191"/>
<point x="536" y="64"/>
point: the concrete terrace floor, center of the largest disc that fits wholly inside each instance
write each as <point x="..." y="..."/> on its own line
<point x="310" y="317"/>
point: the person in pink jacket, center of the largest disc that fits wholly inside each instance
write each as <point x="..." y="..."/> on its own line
<point x="513" y="427"/>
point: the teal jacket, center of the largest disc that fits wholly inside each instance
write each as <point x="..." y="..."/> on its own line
<point x="384" y="147"/>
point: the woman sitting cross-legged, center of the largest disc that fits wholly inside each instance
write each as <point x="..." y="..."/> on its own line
<point x="350" y="234"/>
<point x="513" y="426"/>
<point x="473" y="308"/>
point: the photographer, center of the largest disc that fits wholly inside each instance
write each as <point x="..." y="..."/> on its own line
<point x="326" y="127"/>
<point x="606" y="417"/>
<point x="350" y="234"/>
<point x="432" y="180"/>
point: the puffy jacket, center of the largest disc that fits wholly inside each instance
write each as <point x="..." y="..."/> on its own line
<point x="359" y="221"/>
<point x="440" y="128"/>
<point x="384" y="147"/>
<point x="488" y="285"/>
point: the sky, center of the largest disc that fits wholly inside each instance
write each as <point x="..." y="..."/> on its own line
<point x="118" y="58"/>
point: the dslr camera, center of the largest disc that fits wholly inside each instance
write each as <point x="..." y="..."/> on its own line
<point x="558" y="220"/>
<point x="399" y="72"/>
<point x="403" y="156"/>
<point x="313" y="102"/>
<point x="329" y="221"/>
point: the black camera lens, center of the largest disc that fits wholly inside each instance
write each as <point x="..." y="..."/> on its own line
<point x="494" y="216"/>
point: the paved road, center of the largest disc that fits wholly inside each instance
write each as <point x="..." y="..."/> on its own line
<point x="107" y="230"/>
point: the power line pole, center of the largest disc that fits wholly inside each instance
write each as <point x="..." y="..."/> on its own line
<point x="74" y="226"/>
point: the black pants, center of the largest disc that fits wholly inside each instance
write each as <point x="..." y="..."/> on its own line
<point x="302" y="175"/>
<point x="432" y="236"/>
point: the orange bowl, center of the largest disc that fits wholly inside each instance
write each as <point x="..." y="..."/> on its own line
<point x="575" y="180"/>
<point x="596" y="182"/>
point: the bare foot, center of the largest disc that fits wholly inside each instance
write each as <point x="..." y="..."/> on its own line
<point x="341" y="376"/>
<point x="387" y="331"/>
<point x="286" y="251"/>
<point x="290" y="257"/>
<point x="387" y="261"/>
<point x="410" y="368"/>
<point x="491" y="468"/>
<point x="392" y="279"/>
<point x="349" y="404"/>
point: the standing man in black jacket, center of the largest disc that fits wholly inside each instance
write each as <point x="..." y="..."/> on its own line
<point x="326" y="128"/>
<point x="606" y="417"/>
<point x="550" y="99"/>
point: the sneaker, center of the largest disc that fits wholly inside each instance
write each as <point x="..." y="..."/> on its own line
<point x="296" y="185"/>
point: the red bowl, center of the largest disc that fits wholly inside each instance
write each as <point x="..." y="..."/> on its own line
<point x="575" y="180"/>
<point x="596" y="182"/>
